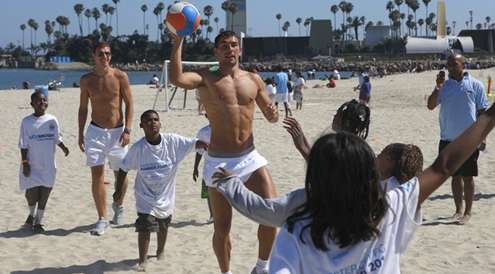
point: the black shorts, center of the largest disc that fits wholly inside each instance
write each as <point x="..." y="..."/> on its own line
<point x="150" y="223"/>
<point x="470" y="166"/>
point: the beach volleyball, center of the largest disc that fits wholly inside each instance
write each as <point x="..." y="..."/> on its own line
<point x="182" y="18"/>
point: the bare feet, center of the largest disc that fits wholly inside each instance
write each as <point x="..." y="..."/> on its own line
<point x="456" y="216"/>
<point x="464" y="219"/>
<point x="160" y="256"/>
<point x="141" y="267"/>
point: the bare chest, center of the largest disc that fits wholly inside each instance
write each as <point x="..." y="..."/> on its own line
<point x="232" y="91"/>
<point x="103" y="89"/>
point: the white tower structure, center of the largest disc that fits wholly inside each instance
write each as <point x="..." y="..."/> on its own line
<point x="237" y="22"/>
<point x="441" y="20"/>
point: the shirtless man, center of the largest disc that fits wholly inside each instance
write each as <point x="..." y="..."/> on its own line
<point x="106" y="88"/>
<point x="229" y="95"/>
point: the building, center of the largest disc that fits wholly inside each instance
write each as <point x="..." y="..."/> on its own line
<point x="375" y="35"/>
<point x="237" y="22"/>
<point x="321" y="37"/>
<point x="483" y="39"/>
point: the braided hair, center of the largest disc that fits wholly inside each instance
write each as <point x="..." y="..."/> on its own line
<point x="355" y="118"/>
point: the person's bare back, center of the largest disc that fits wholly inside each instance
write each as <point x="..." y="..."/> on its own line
<point x="104" y="93"/>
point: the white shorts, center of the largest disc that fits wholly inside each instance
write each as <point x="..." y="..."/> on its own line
<point x="282" y="97"/>
<point x="101" y="143"/>
<point x="242" y="166"/>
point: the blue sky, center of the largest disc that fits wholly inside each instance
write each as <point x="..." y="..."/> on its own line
<point x="261" y="14"/>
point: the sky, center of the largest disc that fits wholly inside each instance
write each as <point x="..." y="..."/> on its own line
<point x="260" y="14"/>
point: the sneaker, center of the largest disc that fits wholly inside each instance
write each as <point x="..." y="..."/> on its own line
<point x="38" y="228"/>
<point x="29" y="221"/>
<point x="100" y="227"/>
<point x="118" y="214"/>
<point x="254" y="271"/>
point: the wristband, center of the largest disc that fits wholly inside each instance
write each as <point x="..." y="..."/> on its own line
<point x="25" y="162"/>
<point x="127" y="130"/>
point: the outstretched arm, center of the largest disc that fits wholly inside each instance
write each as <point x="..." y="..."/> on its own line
<point x="271" y="212"/>
<point x="263" y="100"/>
<point x="294" y="128"/>
<point x="455" y="154"/>
<point x="187" y="80"/>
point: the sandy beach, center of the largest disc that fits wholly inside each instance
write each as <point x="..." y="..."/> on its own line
<point x="398" y="114"/>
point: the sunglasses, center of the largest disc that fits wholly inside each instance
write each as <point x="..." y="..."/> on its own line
<point x="107" y="53"/>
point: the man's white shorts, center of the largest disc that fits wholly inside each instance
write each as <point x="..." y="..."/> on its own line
<point x="102" y="143"/>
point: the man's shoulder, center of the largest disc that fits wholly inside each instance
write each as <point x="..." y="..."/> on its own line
<point x="87" y="76"/>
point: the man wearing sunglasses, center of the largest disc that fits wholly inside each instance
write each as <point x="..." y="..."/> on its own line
<point x="108" y="132"/>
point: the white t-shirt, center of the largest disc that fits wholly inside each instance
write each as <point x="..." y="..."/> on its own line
<point x="204" y="134"/>
<point x="40" y="136"/>
<point x="156" y="167"/>
<point x="380" y="255"/>
<point x="272" y="90"/>
<point x="299" y="84"/>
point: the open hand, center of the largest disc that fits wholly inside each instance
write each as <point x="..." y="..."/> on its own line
<point x="124" y="139"/>
<point x="220" y="174"/>
<point x="195" y="174"/>
<point x="81" y="143"/>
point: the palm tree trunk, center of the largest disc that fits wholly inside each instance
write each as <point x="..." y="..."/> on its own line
<point x="117" y="18"/>
<point x="22" y="39"/>
<point x="89" y="28"/>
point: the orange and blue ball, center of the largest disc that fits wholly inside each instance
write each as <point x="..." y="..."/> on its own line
<point x="183" y="18"/>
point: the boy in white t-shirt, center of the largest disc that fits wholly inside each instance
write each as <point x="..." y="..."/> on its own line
<point x="298" y="90"/>
<point x="204" y="134"/>
<point x="156" y="158"/>
<point x="40" y="134"/>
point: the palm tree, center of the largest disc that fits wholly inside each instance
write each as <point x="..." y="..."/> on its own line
<point x="34" y="26"/>
<point x="49" y="31"/>
<point x="488" y="19"/>
<point x="116" y="14"/>
<point x="216" y="21"/>
<point x="23" y="28"/>
<point x="160" y="6"/>
<point x="306" y="24"/>
<point x="104" y="8"/>
<point x="394" y="17"/>
<point x="298" y="22"/>
<point x="454" y="23"/>
<point x="79" y="8"/>
<point x="208" y="12"/>
<point x="233" y="9"/>
<point x="390" y="7"/>
<point x="209" y="29"/>
<point x="471" y="18"/>
<point x="349" y="7"/>
<point x="88" y="15"/>
<point x="467" y="24"/>
<point x="111" y="11"/>
<point x="278" y="16"/>
<point x="398" y="3"/>
<point x="156" y="12"/>
<point x="285" y="28"/>
<point x="96" y="15"/>
<point x="421" y="22"/>
<point x="426" y="2"/>
<point x="479" y="26"/>
<point x="144" y="8"/>
<point x="334" y="9"/>
<point x="356" y="23"/>
<point x="343" y="8"/>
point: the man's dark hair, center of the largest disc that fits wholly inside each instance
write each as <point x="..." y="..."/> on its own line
<point x="36" y="94"/>
<point x="355" y="118"/>
<point x="408" y="161"/>
<point x="345" y="201"/>
<point x="148" y="112"/>
<point x="224" y="34"/>
<point x="99" y="45"/>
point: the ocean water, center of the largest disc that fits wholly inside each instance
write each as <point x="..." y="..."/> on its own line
<point x="13" y="78"/>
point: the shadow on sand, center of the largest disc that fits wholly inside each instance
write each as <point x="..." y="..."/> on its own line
<point x="24" y="232"/>
<point x="98" y="267"/>
<point x="477" y="197"/>
<point x="187" y="223"/>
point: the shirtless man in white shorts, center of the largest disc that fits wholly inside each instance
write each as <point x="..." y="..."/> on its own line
<point x="229" y="95"/>
<point x="107" y="136"/>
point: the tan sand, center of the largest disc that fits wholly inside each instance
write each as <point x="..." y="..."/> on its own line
<point x="398" y="115"/>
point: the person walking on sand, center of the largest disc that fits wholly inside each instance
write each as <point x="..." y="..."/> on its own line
<point x="156" y="157"/>
<point x="282" y="84"/>
<point x="229" y="95"/>
<point x="108" y="133"/>
<point x="462" y="99"/>
<point x="40" y="134"/>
